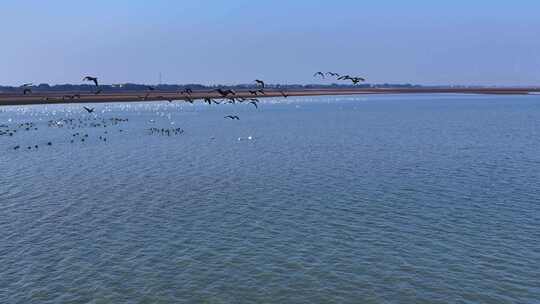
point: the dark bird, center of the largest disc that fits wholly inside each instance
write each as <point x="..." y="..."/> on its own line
<point x="253" y="92"/>
<point x="93" y="79"/>
<point x="284" y="94"/>
<point x="260" y="82"/>
<point x="332" y="74"/>
<point x="233" y="117"/>
<point x="261" y="91"/>
<point x="210" y="101"/>
<point x="255" y="104"/>
<point x="27" y="91"/>
<point x="189" y="99"/>
<point x="225" y="93"/>
<point x="187" y="91"/>
<point x="89" y="110"/>
<point x="319" y="74"/>
<point x="356" y="80"/>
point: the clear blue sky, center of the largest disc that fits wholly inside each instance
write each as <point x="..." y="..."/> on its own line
<point x="204" y="41"/>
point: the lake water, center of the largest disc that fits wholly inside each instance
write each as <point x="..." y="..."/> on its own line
<point x="366" y="199"/>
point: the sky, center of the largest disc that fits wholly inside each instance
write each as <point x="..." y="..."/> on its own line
<point x="458" y="42"/>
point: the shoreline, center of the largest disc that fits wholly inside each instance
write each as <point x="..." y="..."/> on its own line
<point x="9" y="99"/>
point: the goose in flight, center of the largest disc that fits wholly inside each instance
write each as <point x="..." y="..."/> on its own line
<point x="332" y="74"/>
<point x="319" y="74"/>
<point x="225" y="93"/>
<point x="93" y="79"/>
<point x="89" y="110"/>
<point x="208" y="100"/>
<point x="233" y="117"/>
<point x="255" y="104"/>
<point x="356" y="80"/>
<point x="189" y="99"/>
<point x="260" y="82"/>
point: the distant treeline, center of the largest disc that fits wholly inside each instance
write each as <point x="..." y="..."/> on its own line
<point x="127" y="87"/>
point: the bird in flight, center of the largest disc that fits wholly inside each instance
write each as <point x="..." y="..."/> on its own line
<point x="253" y="92"/>
<point x="233" y="117"/>
<point x="27" y="85"/>
<point x="89" y="110"/>
<point x="187" y="91"/>
<point x="208" y="100"/>
<point x="254" y="103"/>
<point x="93" y="79"/>
<point x="225" y="93"/>
<point x="356" y="80"/>
<point x="319" y="74"/>
<point x="332" y="74"/>
<point x="260" y="82"/>
<point x="284" y="94"/>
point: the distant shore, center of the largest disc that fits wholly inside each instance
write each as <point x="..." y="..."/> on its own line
<point x="38" y="98"/>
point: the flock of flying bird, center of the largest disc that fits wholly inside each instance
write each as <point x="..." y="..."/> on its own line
<point x="354" y="80"/>
<point x="225" y="96"/>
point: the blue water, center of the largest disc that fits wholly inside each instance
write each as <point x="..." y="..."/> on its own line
<point x="370" y="199"/>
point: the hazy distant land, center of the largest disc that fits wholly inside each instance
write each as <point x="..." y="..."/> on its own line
<point x="52" y="95"/>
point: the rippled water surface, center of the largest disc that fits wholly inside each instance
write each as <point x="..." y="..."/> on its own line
<point x="388" y="199"/>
